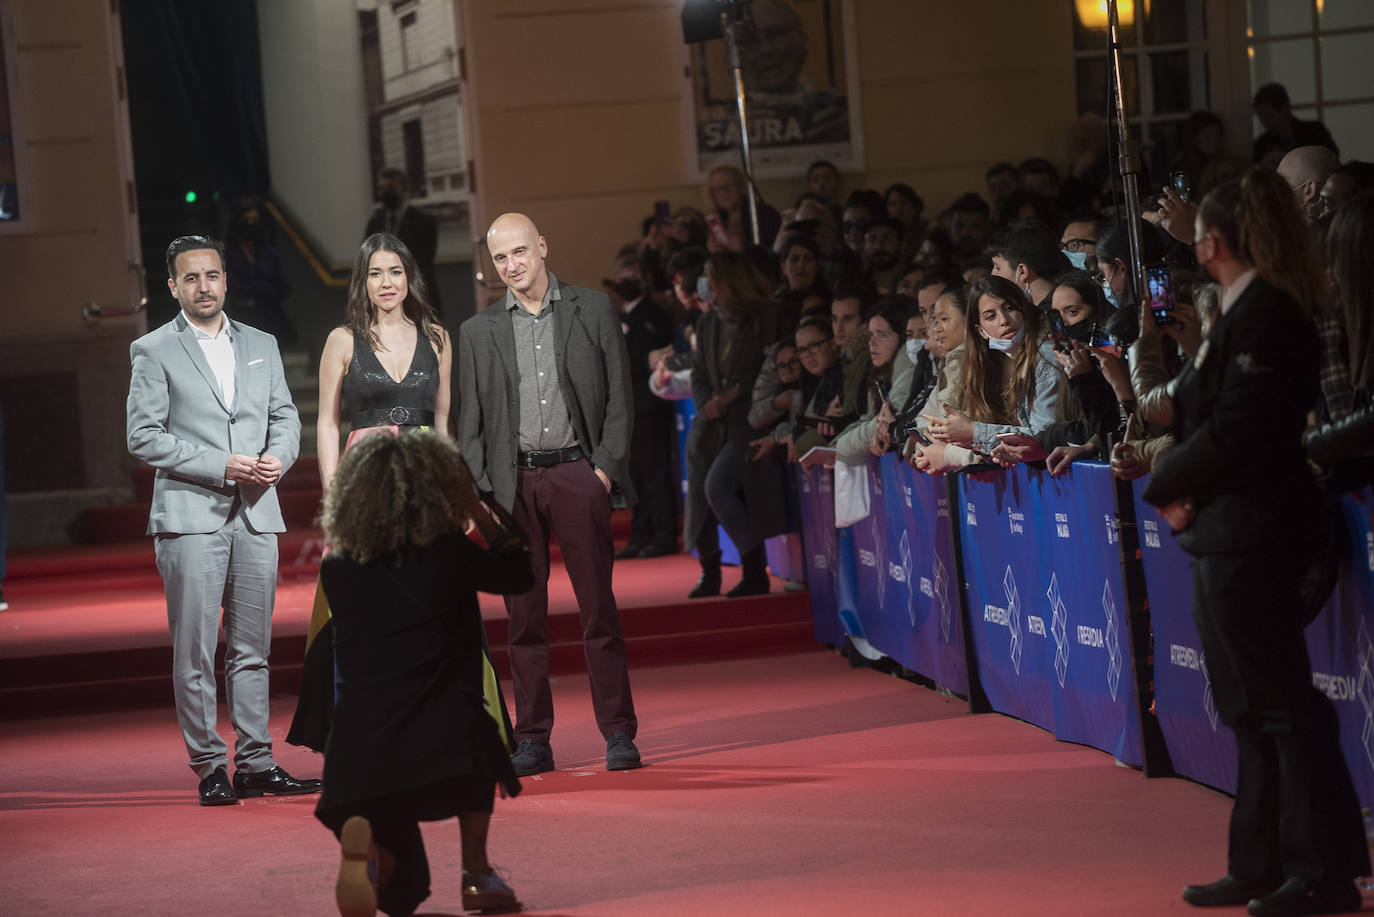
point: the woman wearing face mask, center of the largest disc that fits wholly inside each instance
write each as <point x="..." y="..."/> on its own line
<point x="1080" y="304"/>
<point x="1249" y="516"/>
<point x="723" y="487"/>
<point x="890" y="376"/>
<point x="1012" y="382"/>
<point x="259" y="287"/>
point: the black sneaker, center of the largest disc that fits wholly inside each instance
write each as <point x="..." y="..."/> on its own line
<point x="621" y="754"/>
<point x="531" y="758"/>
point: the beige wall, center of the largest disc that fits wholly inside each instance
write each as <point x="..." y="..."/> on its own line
<point x="575" y="107"/>
<point x="64" y="382"/>
<point x="312" y="82"/>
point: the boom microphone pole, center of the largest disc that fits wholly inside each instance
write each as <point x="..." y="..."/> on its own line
<point x="731" y="27"/>
<point x="1129" y="158"/>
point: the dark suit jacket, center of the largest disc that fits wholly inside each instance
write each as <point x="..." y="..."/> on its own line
<point x="594" y="374"/>
<point x="647" y="328"/>
<point x="1239" y="414"/>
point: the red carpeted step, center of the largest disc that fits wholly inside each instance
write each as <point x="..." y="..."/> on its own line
<point x="87" y="626"/>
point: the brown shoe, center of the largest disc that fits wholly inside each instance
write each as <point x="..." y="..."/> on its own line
<point x="355" y="891"/>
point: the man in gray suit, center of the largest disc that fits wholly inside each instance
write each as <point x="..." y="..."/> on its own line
<point x="544" y="423"/>
<point x="209" y="409"/>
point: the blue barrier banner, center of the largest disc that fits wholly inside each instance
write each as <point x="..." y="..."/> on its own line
<point x="1200" y="746"/>
<point x="1047" y="603"/>
<point x="822" y="551"/>
<point x="879" y="606"/>
<point x="921" y="569"/>
<point x="785" y="557"/>
<point x="1338" y="643"/>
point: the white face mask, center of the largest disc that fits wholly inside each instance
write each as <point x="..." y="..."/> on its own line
<point x="704" y="291"/>
<point x="1111" y="297"/>
<point x="1008" y="345"/>
<point x="1078" y="259"/>
<point x="914" y="348"/>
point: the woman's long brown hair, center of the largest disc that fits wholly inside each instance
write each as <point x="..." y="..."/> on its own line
<point x="361" y="314"/>
<point x="1259" y="220"/>
<point x="994" y="386"/>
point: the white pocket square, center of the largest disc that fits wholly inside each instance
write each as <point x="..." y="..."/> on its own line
<point x="255" y="362"/>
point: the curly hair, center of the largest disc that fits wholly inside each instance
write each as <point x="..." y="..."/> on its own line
<point x="392" y="493"/>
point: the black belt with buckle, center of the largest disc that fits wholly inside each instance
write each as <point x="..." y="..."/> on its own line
<point x="400" y="416"/>
<point x="549" y="458"/>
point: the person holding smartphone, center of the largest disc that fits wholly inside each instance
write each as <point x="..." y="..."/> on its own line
<point x="1012" y="381"/>
<point x="1248" y="516"/>
<point x="889" y="382"/>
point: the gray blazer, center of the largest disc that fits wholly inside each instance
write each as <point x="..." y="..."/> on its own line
<point x="178" y="423"/>
<point x="593" y="370"/>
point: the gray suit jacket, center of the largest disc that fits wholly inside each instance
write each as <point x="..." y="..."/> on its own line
<point x="593" y="370"/>
<point x="179" y="424"/>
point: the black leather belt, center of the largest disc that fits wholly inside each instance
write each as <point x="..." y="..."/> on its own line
<point x="400" y="416"/>
<point x="549" y="458"/>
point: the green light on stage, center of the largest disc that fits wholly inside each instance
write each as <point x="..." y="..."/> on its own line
<point x="190" y="197"/>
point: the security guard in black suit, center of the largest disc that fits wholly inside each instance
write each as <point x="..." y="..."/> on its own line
<point x="1238" y="489"/>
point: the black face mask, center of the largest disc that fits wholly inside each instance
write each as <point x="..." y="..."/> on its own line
<point x="1081" y="332"/>
<point x="391" y="200"/>
<point x="629" y="290"/>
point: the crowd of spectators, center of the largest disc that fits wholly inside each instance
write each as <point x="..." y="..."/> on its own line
<point x="1004" y="328"/>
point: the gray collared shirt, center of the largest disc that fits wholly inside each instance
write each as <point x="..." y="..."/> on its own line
<point x="544" y="420"/>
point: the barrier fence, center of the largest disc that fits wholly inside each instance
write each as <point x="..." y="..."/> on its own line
<point x="1015" y="590"/>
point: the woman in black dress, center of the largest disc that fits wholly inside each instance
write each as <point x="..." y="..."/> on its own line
<point x="389" y="363"/>
<point x="414" y="737"/>
<point x="1238" y="491"/>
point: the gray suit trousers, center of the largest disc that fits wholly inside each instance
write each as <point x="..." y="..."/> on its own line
<point x="234" y="569"/>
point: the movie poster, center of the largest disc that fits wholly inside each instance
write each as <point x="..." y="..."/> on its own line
<point x="801" y="90"/>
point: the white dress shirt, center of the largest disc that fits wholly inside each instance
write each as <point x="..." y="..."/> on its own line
<point x="219" y="353"/>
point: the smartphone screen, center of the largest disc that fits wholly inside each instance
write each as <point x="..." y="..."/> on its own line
<point x="1161" y="292"/>
<point x="1107" y="343"/>
<point x="1179" y="180"/>
<point x="661" y="213"/>
<point x="1058" y="334"/>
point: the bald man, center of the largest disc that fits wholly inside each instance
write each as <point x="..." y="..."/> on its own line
<point x="1306" y="170"/>
<point x="544" y="422"/>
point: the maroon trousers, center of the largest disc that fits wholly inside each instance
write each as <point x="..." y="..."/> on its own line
<point x="569" y="502"/>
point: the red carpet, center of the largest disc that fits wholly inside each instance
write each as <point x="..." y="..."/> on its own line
<point x="792" y="785"/>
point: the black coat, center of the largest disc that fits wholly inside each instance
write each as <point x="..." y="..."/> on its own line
<point x="763" y="491"/>
<point x="647" y="328"/>
<point x="408" y="649"/>
<point x="1240" y="408"/>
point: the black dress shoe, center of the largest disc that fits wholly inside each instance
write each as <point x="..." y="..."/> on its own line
<point x="708" y="585"/>
<point x="1228" y="891"/>
<point x="1298" y="897"/>
<point x="630" y="551"/>
<point x="273" y="782"/>
<point x="532" y="758"/>
<point x="621" y="754"/>
<point x="658" y="550"/>
<point x="215" y="789"/>
<point x="750" y="585"/>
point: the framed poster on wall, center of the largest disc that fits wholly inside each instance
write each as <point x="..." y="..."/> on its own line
<point x="16" y="213"/>
<point x="801" y="91"/>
